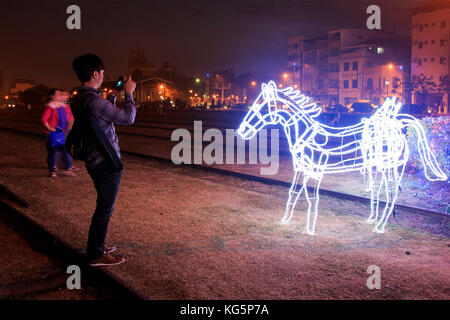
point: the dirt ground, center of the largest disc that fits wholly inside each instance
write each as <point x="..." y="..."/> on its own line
<point x="27" y="274"/>
<point x="188" y="234"/>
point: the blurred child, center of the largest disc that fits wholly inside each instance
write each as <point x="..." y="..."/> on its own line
<point x="57" y="116"/>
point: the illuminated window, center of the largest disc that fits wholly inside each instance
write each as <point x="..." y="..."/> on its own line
<point x="380" y="50"/>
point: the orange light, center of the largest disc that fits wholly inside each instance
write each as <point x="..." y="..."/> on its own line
<point x="6" y="97"/>
<point x="280" y="85"/>
<point x="295" y="86"/>
<point x="390" y="66"/>
<point x="285" y="75"/>
<point x="161" y="87"/>
<point x="190" y="91"/>
<point x="253" y="83"/>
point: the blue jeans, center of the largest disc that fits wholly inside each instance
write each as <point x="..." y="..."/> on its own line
<point x="53" y="153"/>
<point x="106" y="182"/>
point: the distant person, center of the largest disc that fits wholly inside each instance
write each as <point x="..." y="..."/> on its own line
<point x="57" y="118"/>
<point x="102" y="160"/>
<point x="335" y="120"/>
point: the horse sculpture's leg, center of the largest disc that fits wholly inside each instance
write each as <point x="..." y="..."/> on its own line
<point x="312" y="208"/>
<point x="382" y="183"/>
<point x="390" y="204"/>
<point x="374" y="196"/>
<point x="293" y="198"/>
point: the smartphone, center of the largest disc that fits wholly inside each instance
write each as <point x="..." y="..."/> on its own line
<point x="119" y="84"/>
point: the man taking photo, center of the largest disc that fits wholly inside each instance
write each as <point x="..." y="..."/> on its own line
<point x="97" y="117"/>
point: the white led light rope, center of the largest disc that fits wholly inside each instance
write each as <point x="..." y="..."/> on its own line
<point x="376" y="146"/>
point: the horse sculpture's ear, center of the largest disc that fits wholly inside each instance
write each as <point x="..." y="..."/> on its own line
<point x="264" y="90"/>
<point x="272" y="85"/>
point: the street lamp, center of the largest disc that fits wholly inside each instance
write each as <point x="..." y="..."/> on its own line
<point x="197" y="80"/>
<point x="163" y="89"/>
<point x="253" y="83"/>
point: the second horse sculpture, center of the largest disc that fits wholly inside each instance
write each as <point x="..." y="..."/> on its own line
<point x="376" y="146"/>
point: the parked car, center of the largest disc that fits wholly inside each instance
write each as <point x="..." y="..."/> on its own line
<point x="336" y="108"/>
<point x="363" y="107"/>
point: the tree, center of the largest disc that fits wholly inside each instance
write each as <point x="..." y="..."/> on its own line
<point x="444" y="86"/>
<point x="422" y="87"/>
<point x="36" y="95"/>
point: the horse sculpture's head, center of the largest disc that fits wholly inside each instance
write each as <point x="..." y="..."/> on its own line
<point x="262" y="112"/>
<point x="267" y="109"/>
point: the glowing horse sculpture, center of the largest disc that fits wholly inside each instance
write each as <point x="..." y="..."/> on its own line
<point x="376" y="146"/>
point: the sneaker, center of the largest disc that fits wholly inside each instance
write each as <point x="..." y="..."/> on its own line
<point x="106" y="260"/>
<point x="73" y="169"/>
<point x="109" y="249"/>
<point x="52" y="175"/>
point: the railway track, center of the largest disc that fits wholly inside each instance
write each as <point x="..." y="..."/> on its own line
<point x="31" y="243"/>
<point x="269" y="181"/>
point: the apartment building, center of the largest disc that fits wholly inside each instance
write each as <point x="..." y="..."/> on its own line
<point x="431" y="55"/>
<point x="349" y="65"/>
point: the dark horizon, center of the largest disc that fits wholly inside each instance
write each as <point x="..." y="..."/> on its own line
<point x="208" y="36"/>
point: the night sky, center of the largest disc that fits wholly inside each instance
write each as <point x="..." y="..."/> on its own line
<point x="196" y="36"/>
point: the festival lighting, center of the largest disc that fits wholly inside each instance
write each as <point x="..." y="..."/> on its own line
<point x="376" y="146"/>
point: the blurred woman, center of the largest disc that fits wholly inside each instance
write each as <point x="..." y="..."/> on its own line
<point x="57" y="120"/>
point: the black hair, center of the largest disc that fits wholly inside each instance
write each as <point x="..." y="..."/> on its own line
<point x="85" y="66"/>
<point x="52" y="92"/>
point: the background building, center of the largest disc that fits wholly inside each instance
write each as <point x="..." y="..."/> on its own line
<point x="20" y="85"/>
<point x="2" y="92"/>
<point x="349" y="65"/>
<point x="430" y="63"/>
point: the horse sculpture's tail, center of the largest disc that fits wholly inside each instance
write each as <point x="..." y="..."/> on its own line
<point x="428" y="158"/>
